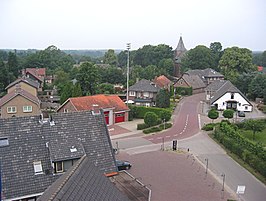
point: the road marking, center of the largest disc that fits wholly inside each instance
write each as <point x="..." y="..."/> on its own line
<point x="167" y="136"/>
<point x="159" y="138"/>
<point x="199" y="121"/>
<point x="150" y="139"/>
<point x="175" y="135"/>
<point x="180" y="133"/>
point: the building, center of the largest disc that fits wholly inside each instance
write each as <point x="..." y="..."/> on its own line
<point x="143" y="93"/>
<point x="207" y="75"/>
<point x="163" y="82"/>
<point x="36" y="74"/>
<point x="19" y="102"/>
<point x="115" y="110"/>
<point x="35" y="152"/>
<point x="227" y="96"/>
<point x="178" y="55"/>
<point x="26" y="84"/>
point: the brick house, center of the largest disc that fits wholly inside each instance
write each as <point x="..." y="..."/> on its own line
<point x="115" y="110"/>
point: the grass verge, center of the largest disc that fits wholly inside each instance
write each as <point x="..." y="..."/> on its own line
<point x="240" y="161"/>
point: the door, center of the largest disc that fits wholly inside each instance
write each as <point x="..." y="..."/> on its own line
<point x="119" y="117"/>
<point x="106" y="116"/>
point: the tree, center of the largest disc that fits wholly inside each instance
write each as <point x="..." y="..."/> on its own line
<point x="165" y="115"/>
<point x="213" y="114"/>
<point x="236" y="61"/>
<point x="88" y="78"/>
<point x="229" y="114"/>
<point x="12" y="64"/>
<point x="263" y="59"/>
<point x="112" y="75"/>
<point x="76" y="90"/>
<point x="243" y="82"/>
<point x="66" y="92"/>
<point x="110" y="58"/>
<point x="257" y="86"/>
<point x="199" y="57"/>
<point x="254" y="125"/>
<point x="163" y="99"/>
<point x="151" y="119"/>
<point x="216" y="49"/>
<point x="105" y="88"/>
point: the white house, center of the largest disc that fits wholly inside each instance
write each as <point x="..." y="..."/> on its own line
<point x="229" y="97"/>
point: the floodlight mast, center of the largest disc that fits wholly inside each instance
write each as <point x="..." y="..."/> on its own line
<point x="128" y="48"/>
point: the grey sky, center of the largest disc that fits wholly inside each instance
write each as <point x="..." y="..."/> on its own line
<point x="110" y="24"/>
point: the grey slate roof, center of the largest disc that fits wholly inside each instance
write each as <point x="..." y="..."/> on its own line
<point x="215" y="85"/>
<point x="83" y="182"/>
<point x="208" y="72"/>
<point x="144" y="86"/>
<point x="31" y="141"/>
<point x="225" y="88"/>
<point x="26" y="80"/>
<point x="194" y="81"/>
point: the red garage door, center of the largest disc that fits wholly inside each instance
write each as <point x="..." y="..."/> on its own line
<point x="106" y="116"/>
<point x="119" y="117"/>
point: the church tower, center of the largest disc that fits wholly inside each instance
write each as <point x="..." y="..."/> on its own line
<point x="178" y="54"/>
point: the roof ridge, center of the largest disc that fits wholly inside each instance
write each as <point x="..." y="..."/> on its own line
<point x="75" y="167"/>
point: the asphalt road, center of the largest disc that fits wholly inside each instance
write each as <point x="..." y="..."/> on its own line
<point x="187" y="120"/>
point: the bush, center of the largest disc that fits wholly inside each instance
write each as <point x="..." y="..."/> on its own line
<point x="208" y="127"/>
<point x="165" y="115"/>
<point x="167" y="125"/>
<point x="151" y="130"/>
<point x="184" y="90"/>
<point x="151" y="119"/>
<point x="140" y="111"/>
<point x="142" y="126"/>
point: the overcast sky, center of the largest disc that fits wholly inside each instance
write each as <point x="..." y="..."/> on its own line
<point x="110" y="24"/>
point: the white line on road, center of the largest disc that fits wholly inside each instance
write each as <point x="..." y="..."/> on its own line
<point x="150" y="139"/>
<point x="199" y="121"/>
<point x="159" y="138"/>
<point x="167" y="136"/>
<point x="175" y="135"/>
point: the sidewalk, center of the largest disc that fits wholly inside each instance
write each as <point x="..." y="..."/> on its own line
<point x="125" y="129"/>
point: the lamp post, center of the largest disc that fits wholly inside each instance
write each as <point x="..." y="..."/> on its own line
<point x="128" y="48"/>
<point x="207" y="164"/>
<point x="223" y="176"/>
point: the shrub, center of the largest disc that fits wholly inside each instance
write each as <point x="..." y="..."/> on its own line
<point x="208" y="127"/>
<point x="184" y="90"/>
<point x="140" y="111"/>
<point x="167" y="125"/>
<point x="165" y="115"/>
<point x="229" y="114"/>
<point x="151" y="130"/>
<point x="142" y="126"/>
<point x="151" y="119"/>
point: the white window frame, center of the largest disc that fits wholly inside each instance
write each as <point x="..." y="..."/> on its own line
<point x="11" y="109"/>
<point x="132" y="93"/>
<point x="38" y="167"/>
<point x="27" y="108"/>
<point x="56" y="167"/>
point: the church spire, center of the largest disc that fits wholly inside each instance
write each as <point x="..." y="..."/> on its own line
<point x="179" y="53"/>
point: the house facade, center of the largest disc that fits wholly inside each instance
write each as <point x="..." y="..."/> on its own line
<point x="192" y="81"/>
<point x="35" y="152"/>
<point x="163" y="82"/>
<point x="19" y="103"/>
<point x="229" y="97"/>
<point x="25" y="84"/>
<point x="115" y="110"/>
<point x="143" y="93"/>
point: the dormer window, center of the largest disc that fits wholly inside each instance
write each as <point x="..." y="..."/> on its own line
<point x="232" y="95"/>
<point x="4" y="142"/>
<point x="37" y="167"/>
<point x="59" y="167"/>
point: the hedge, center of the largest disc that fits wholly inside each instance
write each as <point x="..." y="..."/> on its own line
<point x="140" y="111"/>
<point x="252" y="153"/>
<point x="157" y="128"/>
<point x="208" y="127"/>
<point x="184" y="90"/>
<point x="142" y="126"/>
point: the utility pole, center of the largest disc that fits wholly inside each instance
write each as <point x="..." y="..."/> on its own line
<point x="128" y="48"/>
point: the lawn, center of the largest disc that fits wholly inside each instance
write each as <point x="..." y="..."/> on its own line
<point x="259" y="136"/>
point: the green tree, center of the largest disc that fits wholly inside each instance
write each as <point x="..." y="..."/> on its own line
<point x="199" y="57"/>
<point x="151" y="119"/>
<point x="243" y="82"/>
<point x="66" y="92"/>
<point x="112" y="75"/>
<point x="236" y="61"/>
<point x="122" y="58"/>
<point x="216" y="49"/>
<point x="110" y="58"/>
<point x="88" y="78"/>
<point x="105" y="88"/>
<point x="61" y="78"/>
<point x="213" y="114"/>
<point x="166" y="66"/>
<point x="263" y="59"/>
<point x="163" y="99"/>
<point x="165" y="115"/>
<point x="76" y="90"/>
<point x="257" y="86"/>
<point x="229" y="114"/>
<point x="12" y="64"/>
<point x="254" y="125"/>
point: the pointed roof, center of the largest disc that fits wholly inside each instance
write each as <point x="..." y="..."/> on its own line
<point x="25" y="80"/>
<point x="144" y="85"/>
<point x="181" y="46"/>
<point x="162" y="81"/>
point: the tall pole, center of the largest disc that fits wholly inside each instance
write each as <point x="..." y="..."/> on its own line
<point x="0" y="182"/>
<point x="128" y="48"/>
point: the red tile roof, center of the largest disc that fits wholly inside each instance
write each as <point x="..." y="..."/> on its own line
<point x="20" y="92"/>
<point x="162" y="81"/>
<point x="37" y="71"/>
<point x="103" y="102"/>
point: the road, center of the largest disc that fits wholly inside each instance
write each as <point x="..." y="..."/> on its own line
<point x="187" y="120"/>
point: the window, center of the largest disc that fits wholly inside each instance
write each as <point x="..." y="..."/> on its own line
<point x="232" y="95"/>
<point x="27" y="108"/>
<point x="59" y="167"/>
<point x="246" y="107"/>
<point x="65" y="110"/>
<point x="37" y="167"/>
<point x="4" y="142"/>
<point x="132" y="93"/>
<point x="12" y="109"/>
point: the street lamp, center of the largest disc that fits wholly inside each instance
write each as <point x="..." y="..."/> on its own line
<point x="207" y="164"/>
<point x="128" y="48"/>
<point x="223" y="176"/>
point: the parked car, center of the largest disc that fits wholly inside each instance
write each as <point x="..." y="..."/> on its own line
<point x="241" y="114"/>
<point x="123" y="165"/>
